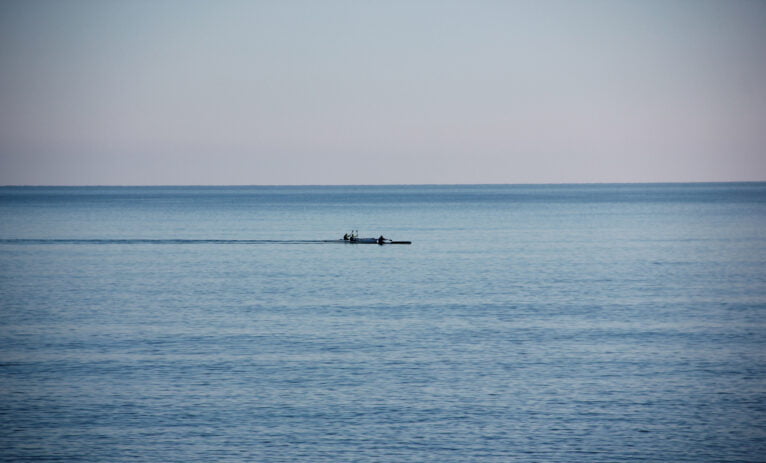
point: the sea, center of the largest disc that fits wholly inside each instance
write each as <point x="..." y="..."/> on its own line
<point x="525" y="323"/>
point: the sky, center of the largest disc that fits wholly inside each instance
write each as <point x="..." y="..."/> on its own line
<point x="193" y="92"/>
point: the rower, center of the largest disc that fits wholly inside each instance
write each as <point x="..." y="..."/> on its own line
<point x="381" y="240"/>
<point x="345" y="237"/>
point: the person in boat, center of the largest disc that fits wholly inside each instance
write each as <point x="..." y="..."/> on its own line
<point x="345" y="237"/>
<point x="381" y="239"/>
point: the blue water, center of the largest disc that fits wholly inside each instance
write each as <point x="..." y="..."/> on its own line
<point x="594" y="323"/>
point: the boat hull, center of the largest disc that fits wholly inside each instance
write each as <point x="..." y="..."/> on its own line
<point x="374" y="241"/>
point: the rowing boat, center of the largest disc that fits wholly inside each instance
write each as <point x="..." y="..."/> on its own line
<point x="354" y="239"/>
<point x="375" y="241"/>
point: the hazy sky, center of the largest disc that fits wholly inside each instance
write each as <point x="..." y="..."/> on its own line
<point x="355" y="92"/>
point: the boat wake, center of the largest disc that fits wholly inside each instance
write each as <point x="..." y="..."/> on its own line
<point x="27" y="241"/>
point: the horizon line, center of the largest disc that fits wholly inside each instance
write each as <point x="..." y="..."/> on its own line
<point x="210" y="185"/>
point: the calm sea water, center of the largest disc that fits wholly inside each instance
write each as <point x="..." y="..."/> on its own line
<point x="594" y="323"/>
